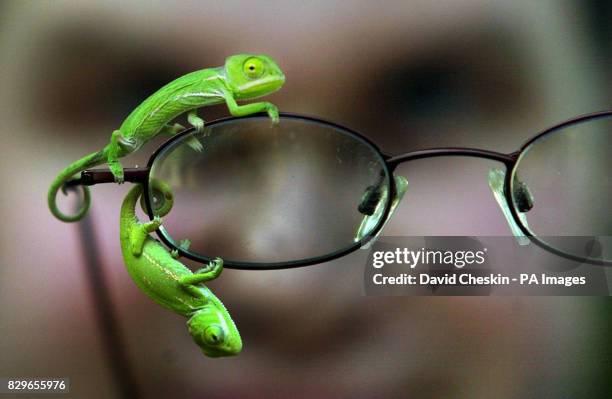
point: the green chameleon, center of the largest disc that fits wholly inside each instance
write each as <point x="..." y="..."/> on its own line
<point x="172" y="285"/>
<point x="243" y="77"/>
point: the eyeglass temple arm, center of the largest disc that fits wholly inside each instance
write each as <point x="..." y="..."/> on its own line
<point x="497" y="180"/>
<point x="372" y="216"/>
<point x="100" y="176"/>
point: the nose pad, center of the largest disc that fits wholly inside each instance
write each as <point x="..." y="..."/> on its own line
<point x="372" y="205"/>
<point x="522" y="196"/>
<point x="496" y="179"/>
<point x="370" y="200"/>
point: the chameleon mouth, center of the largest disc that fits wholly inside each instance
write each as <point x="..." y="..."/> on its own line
<point x="268" y="84"/>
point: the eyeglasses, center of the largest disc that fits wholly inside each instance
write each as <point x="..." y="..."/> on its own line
<point x="308" y="191"/>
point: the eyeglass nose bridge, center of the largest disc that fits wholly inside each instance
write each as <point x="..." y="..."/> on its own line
<point x="508" y="159"/>
<point x="496" y="179"/>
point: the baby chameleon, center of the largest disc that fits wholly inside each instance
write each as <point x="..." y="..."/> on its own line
<point x="172" y="285"/>
<point x="243" y="77"/>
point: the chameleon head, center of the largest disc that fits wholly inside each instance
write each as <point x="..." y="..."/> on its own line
<point x="252" y="76"/>
<point x="214" y="331"/>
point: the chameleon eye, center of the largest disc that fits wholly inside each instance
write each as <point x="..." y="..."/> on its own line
<point x="214" y="335"/>
<point x="253" y="68"/>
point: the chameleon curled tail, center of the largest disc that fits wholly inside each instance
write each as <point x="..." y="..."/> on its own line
<point x="88" y="161"/>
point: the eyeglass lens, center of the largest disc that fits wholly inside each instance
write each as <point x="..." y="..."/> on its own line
<point x="561" y="184"/>
<point x="264" y="194"/>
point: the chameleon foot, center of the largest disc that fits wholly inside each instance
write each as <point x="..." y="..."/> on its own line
<point x="211" y="272"/>
<point x="117" y="171"/>
<point x="197" y="122"/>
<point x="153" y="225"/>
<point x="195" y="144"/>
<point x="213" y="267"/>
<point x="273" y="114"/>
<point x="184" y="244"/>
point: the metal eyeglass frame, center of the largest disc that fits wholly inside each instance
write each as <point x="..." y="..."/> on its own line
<point x="389" y="162"/>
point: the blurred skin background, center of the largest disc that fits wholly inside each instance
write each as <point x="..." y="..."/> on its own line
<point x="409" y="75"/>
